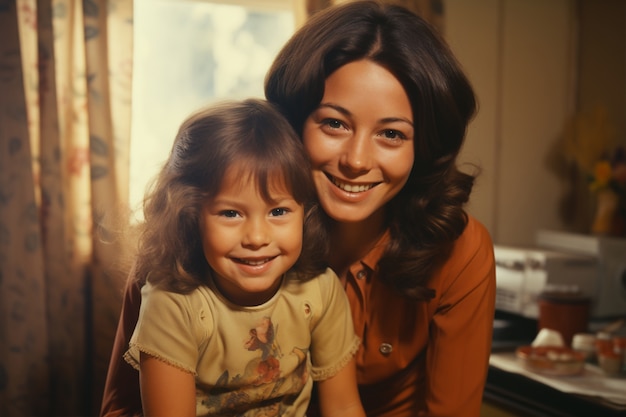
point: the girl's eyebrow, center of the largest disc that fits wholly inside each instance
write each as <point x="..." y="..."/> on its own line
<point x="347" y="113"/>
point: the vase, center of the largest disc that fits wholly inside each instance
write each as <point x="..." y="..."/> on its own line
<point x="607" y="203"/>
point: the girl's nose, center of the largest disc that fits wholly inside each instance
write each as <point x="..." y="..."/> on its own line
<point x="357" y="154"/>
<point x="256" y="233"/>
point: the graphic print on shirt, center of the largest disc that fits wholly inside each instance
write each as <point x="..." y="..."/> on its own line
<point x="269" y="382"/>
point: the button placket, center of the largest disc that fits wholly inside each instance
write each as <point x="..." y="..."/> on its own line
<point x="385" y="348"/>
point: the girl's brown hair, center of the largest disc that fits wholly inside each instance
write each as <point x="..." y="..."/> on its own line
<point x="427" y="216"/>
<point x="251" y="134"/>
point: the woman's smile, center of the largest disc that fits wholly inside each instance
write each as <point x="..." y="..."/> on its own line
<point x="351" y="187"/>
<point x="361" y="149"/>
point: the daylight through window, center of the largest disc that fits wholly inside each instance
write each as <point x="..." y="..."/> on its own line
<point x="187" y="55"/>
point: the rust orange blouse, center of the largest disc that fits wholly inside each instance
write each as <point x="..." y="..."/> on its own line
<point x="426" y="358"/>
<point x="417" y="358"/>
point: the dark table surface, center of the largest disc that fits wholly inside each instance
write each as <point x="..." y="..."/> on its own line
<point x="526" y="396"/>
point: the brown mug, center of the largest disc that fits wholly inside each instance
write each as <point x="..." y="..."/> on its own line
<point x="564" y="311"/>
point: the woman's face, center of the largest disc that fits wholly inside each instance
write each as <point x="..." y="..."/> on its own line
<point x="360" y="140"/>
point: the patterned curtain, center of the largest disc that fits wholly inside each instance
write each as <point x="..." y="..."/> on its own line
<point x="65" y="75"/>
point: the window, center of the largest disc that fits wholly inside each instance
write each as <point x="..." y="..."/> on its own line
<point x="189" y="54"/>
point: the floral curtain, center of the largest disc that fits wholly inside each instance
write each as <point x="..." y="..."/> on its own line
<point x="65" y="74"/>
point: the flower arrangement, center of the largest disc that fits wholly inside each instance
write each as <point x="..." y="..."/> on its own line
<point x="590" y="143"/>
<point x="609" y="184"/>
<point x="609" y="172"/>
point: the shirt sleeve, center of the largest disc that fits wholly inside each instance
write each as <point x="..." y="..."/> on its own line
<point x="121" y="396"/>
<point x="461" y="329"/>
<point x="166" y="329"/>
<point x="333" y="340"/>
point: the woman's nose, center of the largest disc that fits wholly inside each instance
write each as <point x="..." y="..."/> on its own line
<point x="256" y="233"/>
<point x="357" y="154"/>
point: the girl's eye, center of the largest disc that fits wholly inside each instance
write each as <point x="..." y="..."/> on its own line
<point x="229" y="213"/>
<point x="279" y="211"/>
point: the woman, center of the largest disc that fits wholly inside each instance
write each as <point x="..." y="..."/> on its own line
<point x="382" y="107"/>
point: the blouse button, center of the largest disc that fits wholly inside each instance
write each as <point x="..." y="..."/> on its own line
<point x="385" y="348"/>
<point x="361" y="274"/>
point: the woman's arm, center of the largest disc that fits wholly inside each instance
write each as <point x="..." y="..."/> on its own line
<point x="121" y="391"/>
<point x="338" y="395"/>
<point x="166" y="390"/>
<point x="461" y="329"/>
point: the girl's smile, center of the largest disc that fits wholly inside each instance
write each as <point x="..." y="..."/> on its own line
<point x="250" y="242"/>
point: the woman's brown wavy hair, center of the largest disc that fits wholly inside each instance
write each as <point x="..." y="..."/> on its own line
<point x="427" y="216"/>
<point x="249" y="135"/>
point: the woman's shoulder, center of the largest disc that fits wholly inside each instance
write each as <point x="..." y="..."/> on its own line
<point x="472" y="253"/>
<point x="475" y="237"/>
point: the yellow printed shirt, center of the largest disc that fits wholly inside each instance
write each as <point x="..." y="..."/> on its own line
<point x="249" y="359"/>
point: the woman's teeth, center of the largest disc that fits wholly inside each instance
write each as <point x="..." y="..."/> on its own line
<point x="351" y="188"/>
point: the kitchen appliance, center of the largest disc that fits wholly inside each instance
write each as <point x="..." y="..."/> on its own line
<point x="592" y="265"/>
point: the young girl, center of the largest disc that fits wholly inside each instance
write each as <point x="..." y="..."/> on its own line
<point x="238" y="314"/>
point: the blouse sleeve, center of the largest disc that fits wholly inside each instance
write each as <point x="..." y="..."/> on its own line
<point x="461" y="329"/>
<point x="166" y="329"/>
<point x="333" y="339"/>
<point x="121" y="396"/>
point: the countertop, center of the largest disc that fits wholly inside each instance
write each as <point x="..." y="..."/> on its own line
<point x="529" y="396"/>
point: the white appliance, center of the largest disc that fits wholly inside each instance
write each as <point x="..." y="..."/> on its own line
<point x="596" y="266"/>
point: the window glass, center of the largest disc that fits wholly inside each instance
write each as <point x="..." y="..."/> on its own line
<point x="187" y="55"/>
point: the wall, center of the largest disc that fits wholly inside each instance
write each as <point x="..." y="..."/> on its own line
<point x="530" y="75"/>
<point x="602" y="58"/>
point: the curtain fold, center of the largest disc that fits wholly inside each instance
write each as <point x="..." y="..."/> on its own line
<point x="65" y="76"/>
<point x="24" y="335"/>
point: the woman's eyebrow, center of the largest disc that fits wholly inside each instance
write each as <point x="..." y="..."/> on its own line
<point x="336" y="107"/>
<point x="397" y="119"/>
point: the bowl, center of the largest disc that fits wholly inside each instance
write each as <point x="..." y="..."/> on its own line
<point x="551" y="360"/>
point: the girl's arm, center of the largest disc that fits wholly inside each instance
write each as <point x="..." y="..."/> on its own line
<point x="339" y="396"/>
<point x="166" y="390"/>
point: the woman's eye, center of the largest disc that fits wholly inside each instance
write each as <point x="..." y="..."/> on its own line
<point x="393" y="134"/>
<point x="280" y="211"/>
<point x="333" y="123"/>
<point x="229" y="213"/>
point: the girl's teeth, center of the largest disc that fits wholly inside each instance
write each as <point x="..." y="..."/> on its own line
<point x="253" y="263"/>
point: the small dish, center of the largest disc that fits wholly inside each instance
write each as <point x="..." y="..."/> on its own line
<point x="610" y="362"/>
<point x="551" y="360"/>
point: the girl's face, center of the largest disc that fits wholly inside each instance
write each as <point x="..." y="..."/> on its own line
<point x="360" y="141"/>
<point x="249" y="242"/>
